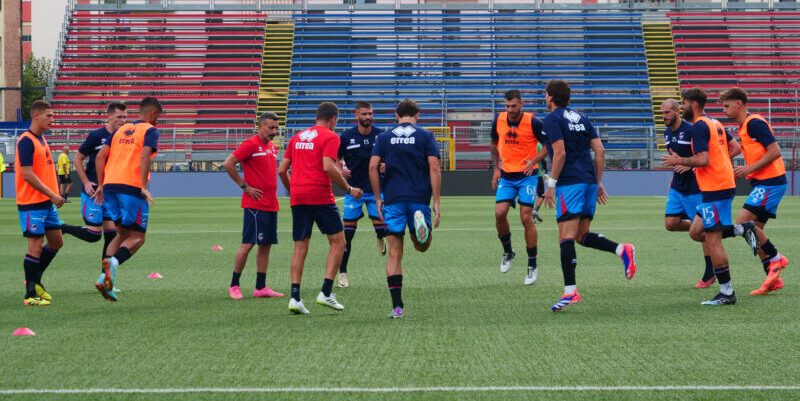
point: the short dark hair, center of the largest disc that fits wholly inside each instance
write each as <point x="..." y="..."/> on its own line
<point x="513" y="94"/>
<point x="559" y="92"/>
<point x="735" y="93"/>
<point x="407" y="108"/>
<point x="268" y="115"/>
<point x="327" y="111"/>
<point x="363" y="105"/>
<point x="39" y="106"/>
<point x="696" y="94"/>
<point x="113" y="106"/>
<point x="150" y="102"/>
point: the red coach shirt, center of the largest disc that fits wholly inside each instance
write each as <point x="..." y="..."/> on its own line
<point x="309" y="183"/>
<point x="259" y="162"/>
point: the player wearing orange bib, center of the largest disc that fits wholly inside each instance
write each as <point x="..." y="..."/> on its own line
<point x="37" y="200"/>
<point x="123" y="171"/>
<point x="767" y="175"/>
<point x="515" y="135"/>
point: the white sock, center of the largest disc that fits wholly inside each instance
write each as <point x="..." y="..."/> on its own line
<point x="569" y="289"/>
<point x="738" y="229"/>
<point x="776" y="258"/>
<point x="619" y="250"/>
<point x="726" y="288"/>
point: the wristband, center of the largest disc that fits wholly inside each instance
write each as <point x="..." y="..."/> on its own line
<point x="551" y="183"/>
<point x="244" y="185"/>
<point x="349" y="189"/>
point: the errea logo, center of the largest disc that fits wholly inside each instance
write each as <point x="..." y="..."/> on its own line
<point x="308" y="135"/>
<point x="403" y="135"/>
<point x="574" y="118"/>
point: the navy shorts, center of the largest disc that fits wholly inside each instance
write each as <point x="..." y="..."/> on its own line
<point x="259" y="227"/>
<point x="326" y="216"/>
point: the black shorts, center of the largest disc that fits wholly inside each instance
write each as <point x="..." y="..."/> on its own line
<point x="326" y="216"/>
<point x="64" y="179"/>
<point x="259" y="227"/>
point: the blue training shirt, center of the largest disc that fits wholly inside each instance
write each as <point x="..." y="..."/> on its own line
<point x="680" y="142"/>
<point x="575" y="129"/>
<point x="405" y="150"/>
<point x="90" y="147"/>
<point x="356" y="150"/>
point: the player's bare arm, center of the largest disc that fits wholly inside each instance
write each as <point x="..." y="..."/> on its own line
<point x="144" y="169"/>
<point x="496" y="163"/>
<point x="533" y="162"/>
<point x="734" y="149"/>
<point x="773" y="151"/>
<point x="599" y="166"/>
<point x="230" y="166"/>
<point x="30" y="177"/>
<point x="332" y="169"/>
<point x="100" y="166"/>
<point x="375" y="183"/>
<point x="88" y="186"/>
<point x="435" y="168"/>
<point x="672" y="159"/>
<point x="559" y="155"/>
<point x="283" y="172"/>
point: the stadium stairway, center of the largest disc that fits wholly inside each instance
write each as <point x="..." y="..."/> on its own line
<point x="276" y="69"/>
<point x="662" y="70"/>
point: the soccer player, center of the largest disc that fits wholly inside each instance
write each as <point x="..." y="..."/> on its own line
<point x="684" y="194"/>
<point x="540" y="181"/>
<point x="575" y="186"/>
<point x="355" y="149"/>
<point x="767" y="175"/>
<point x="259" y="159"/>
<point x="312" y="155"/>
<point x="515" y="158"/>
<point x="37" y="200"/>
<point x="64" y="180"/>
<point x="413" y="174"/>
<point x="711" y="161"/>
<point x="98" y="221"/>
<point x="123" y="171"/>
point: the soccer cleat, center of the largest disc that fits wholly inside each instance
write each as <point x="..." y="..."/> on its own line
<point x="110" y="273"/>
<point x="235" y="292"/>
<point x="750" y="236"/>
<point x="505" y="265"/>
<point x="721" y="299"/>
<point x="567" y="300"/>
<point x="421" y="230"/>
<point x="344" y="282"/>
<point x="381" y="246"/>
<point x="536" y="217"/>
<point x="329" y="301"/>
<point x="773" y="281"/>
<point x="40" y="292"/>
<point x="297" y="307"/>
<point x="706" y="284"/>
<point x="629" y="260"/>
<point x="266" y="292"/>
<point x="116" y="290"/>
<point x="101" y="286"/>
<point x="530" y="278"/>
<point x="397" y="313"/>
<point x="35" y="301"/>
<point x="776" y="285"/>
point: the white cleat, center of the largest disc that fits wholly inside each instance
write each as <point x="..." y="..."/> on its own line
<point x="343" y="281"/>
<point x="536" y="217"/>
<point x="329" y="301"/>
<point x="505" y="265"/>
<point x="297" y="307"/>
<point x="530" y="278"/>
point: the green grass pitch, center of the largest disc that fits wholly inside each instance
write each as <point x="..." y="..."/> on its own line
<point x="466" y="325"/>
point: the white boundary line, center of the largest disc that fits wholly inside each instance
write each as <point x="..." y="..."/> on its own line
<point x="394" y="389"/>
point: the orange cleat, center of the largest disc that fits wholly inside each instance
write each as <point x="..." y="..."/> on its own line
<point x="706" y="284"/>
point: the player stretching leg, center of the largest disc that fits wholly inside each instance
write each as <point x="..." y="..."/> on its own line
<point x="123" y="171"/>
<point x="259" y="158"/>
<point x="575" y="186"/>
<point x="312" y="155"/>
<point x="37" y="200"/>
<point x="767" y="175"/>
<point x="413" y="174"/>
<point x="355" y="149"/>
<point x="515" y="157"/>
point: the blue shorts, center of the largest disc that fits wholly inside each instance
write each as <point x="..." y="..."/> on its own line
<point x="352" y="209"/>
<point x="304" y="217"/>
<point x="575" y="201"/>
<point x="716" y="215"/>
<point x="92" y="213"/>
<point x="131" y="212"/>
<point x="683" y="206"/>
<point x="763" y="201"/>
<point x="524" y="189"/>
<point x="259" y="227"/>
<point x="35" y="222"/>
<point x="399" y="214"/>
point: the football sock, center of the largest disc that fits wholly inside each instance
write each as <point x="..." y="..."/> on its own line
<point x="82" y="233"/>
<point x="31" y="266"/>
<point x="569" y="289"/>
<point x="296" y="292"/>
<point x="506" y="241"/>
<point x="536" y="208"/>
<point x="327" y="287"/>
<point x="724" y="277"/>
<point x="765" y="264"/>
<point x="395" y="289"/>
<point x="568" y="261"/>
<point x="261" y="280"/>
<point x="44" y="261"/>
<point x="709" y="273"/>
<point x="380" y="229"/>
<point x="769" y="250"/>
<point x="235" y="279"/>
<point x="122" y="255"/>
<point x="738" y="230"/>
<point x="598" y="241"/>
<point x="108" y="236"/>
<point x="349" y="232"/>
<point x="532" y="257"/>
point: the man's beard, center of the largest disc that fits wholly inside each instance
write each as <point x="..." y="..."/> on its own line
<point x="688" y="115"/>
<point x="365" y="123"/>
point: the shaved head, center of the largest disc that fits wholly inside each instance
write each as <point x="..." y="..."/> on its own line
<point x="671" y="104"/>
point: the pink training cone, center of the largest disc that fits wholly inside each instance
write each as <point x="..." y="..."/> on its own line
<point x="216" y="248"/>
<point x="23" y="331"/>
<point x="155" y="275"/>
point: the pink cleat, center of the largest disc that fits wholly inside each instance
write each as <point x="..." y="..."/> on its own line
<point x="266" y="292"/>
<point x="628" y="260"/>
<point x="706" y="284"/>
<point x="234" y="292"/>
